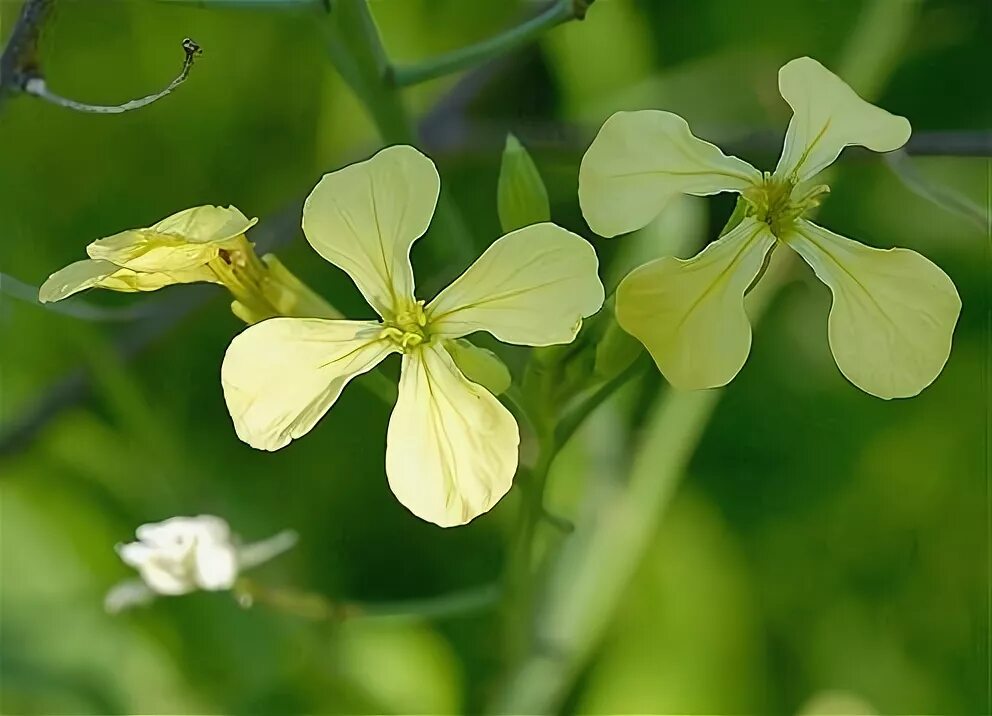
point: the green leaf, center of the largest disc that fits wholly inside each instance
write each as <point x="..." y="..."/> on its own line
<point x="521" y="196"/>
<point x="480" y="365"/>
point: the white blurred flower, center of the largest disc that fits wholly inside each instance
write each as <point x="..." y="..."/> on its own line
<point x="184" y="554"/>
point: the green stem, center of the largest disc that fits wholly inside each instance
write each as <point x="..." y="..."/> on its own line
<point x="559" y="12"/>
<point x="356" y="50"/>
<point x="317" y="607"/>
<point x="595" y="566"/>
<point x="574" y="419"/>
<point x="518" y="578"/>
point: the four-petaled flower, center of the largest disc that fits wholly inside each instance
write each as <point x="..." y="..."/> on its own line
<point x="192" y="246"/>
<point x="451" y="447"/>
<point x="185" y="554"/>
<point x="893" y="311"/>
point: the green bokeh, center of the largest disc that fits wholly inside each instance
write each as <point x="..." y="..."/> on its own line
<point x="821" y="540"/>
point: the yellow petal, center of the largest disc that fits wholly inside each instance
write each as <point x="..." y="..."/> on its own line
<point x="88" y="273"/>
<point x="451" y="449"/>
<point x="364" y="219"/>
<point x="203" y="224"/>
<point x="182" y="241"/>
<point x="74" y="278"/>
<point x="531" y="287"/>
<point x="689" y="314"/>
<point x="281" y="375"/>
<point x="128" y="281"/>
<point x="640" y="160"/>
<point x="828" y="116"/>
<point x="893" y="311"/>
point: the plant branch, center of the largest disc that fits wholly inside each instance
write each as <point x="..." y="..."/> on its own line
<point x="480" y="136"/>
<point x="20" y="65"/>
<point x="19" y="59"/>
<point x="37" y="87"/>
<point x="317" y="607"/>
<point x="574" y="419"/>
<point x="943" y="196"/>
<point x="558" y="12"/>
<point x="79" y="308"/>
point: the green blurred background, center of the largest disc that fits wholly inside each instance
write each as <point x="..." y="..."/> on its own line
<point x="820" y="541"/>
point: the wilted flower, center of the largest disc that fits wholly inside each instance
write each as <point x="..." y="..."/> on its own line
<point x="893" y="311"/>
<point x="185" y="554"/>
<point x="451" y="447"/>
<point x="204" y="244"/>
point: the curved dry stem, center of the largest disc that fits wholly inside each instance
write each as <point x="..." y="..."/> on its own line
<point x="37" y="87"/>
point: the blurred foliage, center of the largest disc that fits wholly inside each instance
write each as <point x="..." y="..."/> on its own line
<point x="823" y="542"/>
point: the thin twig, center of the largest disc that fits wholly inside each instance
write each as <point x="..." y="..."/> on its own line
<point x="558" y="12"/>
<point x="79" y="308"/>
<point x="37" y="87"/>
<point x="21" y="71"/>
<point x="317" y="607"/>
<point x="479" y="137"/>
<point x="943" y="196"/>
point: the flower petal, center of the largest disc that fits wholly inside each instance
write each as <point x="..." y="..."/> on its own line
<point x="88" y="273"/>
<point x="74" y="278"/>
<point x="640" y="160"/>
<point x="205" y="224"/>
<point x="126" y="595"/>
<point x="182" y="241"/>
<point x="281" y="375"/>
<point x="166" y="577"/>
<point x="451" y="450"/>
<point x="531" y="287"/>
<point x="893" y="311"/>
<point x="364" y="219"/>
<point x="689" y="314"/>
<point x="828" y="116"/>
<point x="215" y="566"/>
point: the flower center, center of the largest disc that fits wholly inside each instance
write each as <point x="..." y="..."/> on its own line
<point x="775" y="202"/>
<point x="409" y="328"/>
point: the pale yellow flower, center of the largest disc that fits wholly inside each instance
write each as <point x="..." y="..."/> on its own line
<point x="451" y="446"/>
<point x="893" y="311"/>
<point x="187" y="247"/>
